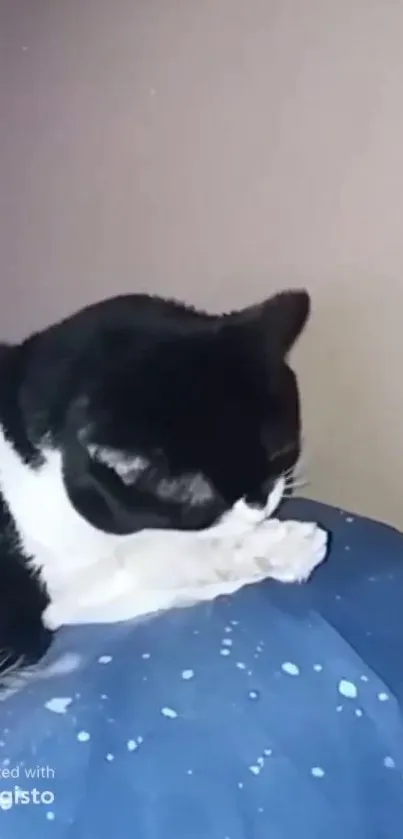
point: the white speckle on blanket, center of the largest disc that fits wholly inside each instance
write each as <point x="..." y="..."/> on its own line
<point x="364" y="678"/>
<point x="139" y="740"/>
<point x="348" y="689"/>
<point x="317" y="772"/>
<point x="189" y="771"/>
<point x="389" y="763"/>
<point x="145" y="655"/>
<point x="58" y="704"/>
<point x="187" y="674"/>
<point x="240" y="785"/>
<point x="383" y="697"/>
<point x="253" y="694"/>
<point x="255" y="769"/>
<point x="50" y="816"/>
<point x="349" y="519"/>
<point x="318" y="667"/>
<point x="358" y="712"/>
<point x="234" y="623"/>
<point x="260" y="761"/>
<point x="267" y="752"/>
<point x="83" y="736"/>
<point x="132" y="745"/>
<point x="169" y="712"/>
<point x="227" y="642"/>
<point x="110" y="757"/>
<point x="240" y="665"/>
<point x="290" y="668"/>
<point x="339" y="708"/>
<point x="228" y="629"/>
<point x="225" y="651"/>
<point x="104" y="659"/>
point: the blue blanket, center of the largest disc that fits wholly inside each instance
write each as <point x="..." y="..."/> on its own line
<point x="272" y="714"/>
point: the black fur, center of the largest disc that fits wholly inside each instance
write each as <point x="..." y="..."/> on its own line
<point x="193" y="393"/>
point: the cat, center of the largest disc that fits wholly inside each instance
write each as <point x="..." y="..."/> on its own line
<point x="144" y="447"/>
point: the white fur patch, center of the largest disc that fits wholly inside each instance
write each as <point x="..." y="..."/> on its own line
<point x="60" y="542"/>
<point x="192" y="489"/>
<point x="128" y="468"/>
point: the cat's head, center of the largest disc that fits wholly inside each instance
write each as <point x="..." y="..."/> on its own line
<point x="175" y="434"/>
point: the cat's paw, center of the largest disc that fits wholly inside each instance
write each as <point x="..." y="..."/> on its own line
<point x="288" y="551"/>
<point x="53" y="617"/>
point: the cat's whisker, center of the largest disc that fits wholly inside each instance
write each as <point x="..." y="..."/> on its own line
<point x="297" y="468"/>
<point x="5" y="657"/>
<point x="304" y="457"/>
<point x="290" y="492"/>
<point x="293" y="484"/>
<point x="290" y="469"/>
<point x="12" y="668"/>
<point x="296" y="484"/>
<point x="293" y="478"/>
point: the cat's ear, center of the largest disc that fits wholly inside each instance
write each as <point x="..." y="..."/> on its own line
<point x="285" y="316"/>
<point x="277" y="322"/>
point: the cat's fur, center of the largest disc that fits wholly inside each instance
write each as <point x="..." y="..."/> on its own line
<point x="143" y="445"/>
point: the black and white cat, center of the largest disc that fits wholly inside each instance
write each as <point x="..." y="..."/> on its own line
<point x="143" y="447"/>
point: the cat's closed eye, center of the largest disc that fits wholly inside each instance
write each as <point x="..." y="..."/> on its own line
<point x="288" y="449"/>
<point x="289" y="452"/>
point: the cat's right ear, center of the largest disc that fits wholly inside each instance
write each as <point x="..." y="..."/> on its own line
<point x="276" y="324"/>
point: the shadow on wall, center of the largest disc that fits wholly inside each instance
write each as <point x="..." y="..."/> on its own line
<point x="350" y="406"/>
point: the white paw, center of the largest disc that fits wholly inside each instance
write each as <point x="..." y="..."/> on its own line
<point x="285" y="551"/>
<point x="52" y="617"/>
<point x="59" y="613"/>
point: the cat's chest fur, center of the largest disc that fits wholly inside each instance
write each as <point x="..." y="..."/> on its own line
<point x="53" y="537"/>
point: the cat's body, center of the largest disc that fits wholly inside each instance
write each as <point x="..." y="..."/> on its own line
<point x="142" y="447"/>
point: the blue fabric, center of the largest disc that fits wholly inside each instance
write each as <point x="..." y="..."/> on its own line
<point x="272" y="714"/>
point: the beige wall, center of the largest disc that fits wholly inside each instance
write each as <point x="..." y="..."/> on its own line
<point x="217" y="150"/>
